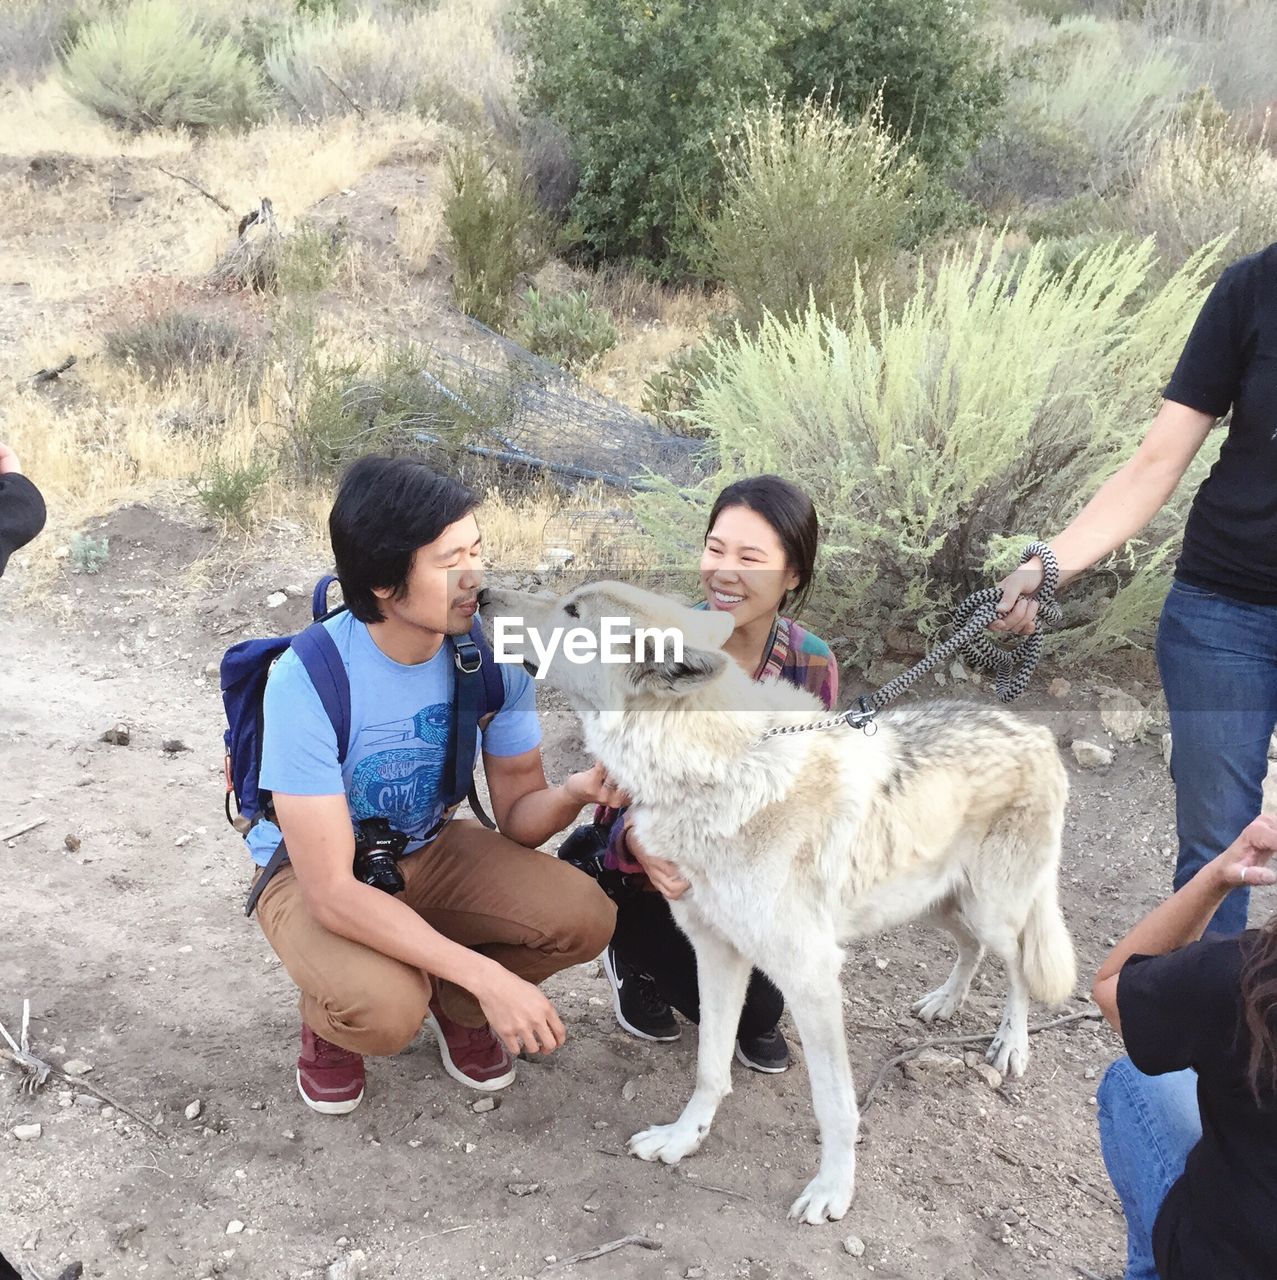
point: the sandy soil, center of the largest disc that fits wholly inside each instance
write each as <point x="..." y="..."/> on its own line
<point x="137" y="959"/>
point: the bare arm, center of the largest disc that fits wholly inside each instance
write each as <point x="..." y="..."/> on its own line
<point x="528" y="809"/>
<point x="321" y="847"/>
<point x="1121" y="507"/>
<point x="1183" y="918"/>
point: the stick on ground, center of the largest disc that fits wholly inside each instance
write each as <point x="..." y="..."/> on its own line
<point x="190" y="182"/>
<point x="53" y="372"/>
<point x="1085" y="1015"/>
<point x="22" y="830"/>
<point x="641" y="1242"/>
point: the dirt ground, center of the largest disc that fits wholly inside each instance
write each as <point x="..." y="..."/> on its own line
<point x="124" y="928"/>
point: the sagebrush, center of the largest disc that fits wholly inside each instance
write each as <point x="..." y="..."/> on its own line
<point x="150" y="65"/>
<point x="173" y="342"/>
<point x="810" y="201"/>
<point x="936" y="439"/>
<point x="565" y="328"/>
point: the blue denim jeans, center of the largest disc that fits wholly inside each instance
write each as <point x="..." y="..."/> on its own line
<point x="1218" y="661"/>
<point x="1148" y="1125"/>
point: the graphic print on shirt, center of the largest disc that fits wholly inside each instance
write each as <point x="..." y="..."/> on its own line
<point x="401" y="783"/>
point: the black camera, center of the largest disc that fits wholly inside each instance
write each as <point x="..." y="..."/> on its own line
<point x="378" y="847"/>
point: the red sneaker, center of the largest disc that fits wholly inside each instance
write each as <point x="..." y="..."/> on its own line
<point x="330" y="1079"/>
<point x="472" y="1056"/>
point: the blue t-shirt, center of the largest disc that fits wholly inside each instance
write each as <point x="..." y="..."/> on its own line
<point x="400" y="718"/>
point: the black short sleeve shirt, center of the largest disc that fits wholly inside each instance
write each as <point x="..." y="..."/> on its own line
<point x="1230" y="363"/>
<point x="1219" y="1221"/>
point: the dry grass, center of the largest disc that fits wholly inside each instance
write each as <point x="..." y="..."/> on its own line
<point x="418" y="232"/>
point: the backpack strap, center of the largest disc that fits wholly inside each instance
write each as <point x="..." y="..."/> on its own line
<point x="319" y="597"/>
<point x="319" y="655"/>
<point x="480" y="694"/>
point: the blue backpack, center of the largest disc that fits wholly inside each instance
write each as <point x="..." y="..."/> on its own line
<point x="479" y="694"/>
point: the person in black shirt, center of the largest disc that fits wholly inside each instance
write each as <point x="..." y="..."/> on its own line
<point x="22" y="510"/>
<point x="1217" y="638"/>
<point x="1188" y="1121"/>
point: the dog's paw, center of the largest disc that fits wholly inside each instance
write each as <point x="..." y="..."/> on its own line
<point x="825" y="1199"/>
<point x="937" y="1006"/>
<point x="668" y="1143"/>
<point x="1009" y="1053"/>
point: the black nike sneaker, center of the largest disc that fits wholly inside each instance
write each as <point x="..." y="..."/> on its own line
<point x="638" y="1005"/>
<point x="767" y="1053"/>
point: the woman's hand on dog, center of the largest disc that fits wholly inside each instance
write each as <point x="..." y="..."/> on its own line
<point x="663" y="874"/>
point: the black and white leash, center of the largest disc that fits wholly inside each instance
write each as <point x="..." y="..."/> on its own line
<point x="1012" y="667"/>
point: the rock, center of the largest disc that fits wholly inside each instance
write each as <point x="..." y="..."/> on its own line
<point x="173" y="745"/>
<point x="855" y="1246"/>
<point x="484" y="1104"/>
<point x="629" y="1090"/>
<point x="117" y="736"/>
<point x="931" y="1064"/>
<point x="354" y="1264"/>
<point x="523" y="1188"/>
<point x="72" y="1272"/>
<point x="193" y="1110"/>
<point x="972" y="1059"/>
<point x="1059" y="687"/>
<point x="275" y="599"/>
<point x="1123" y="715"/>
<point x="470" y="1148"/>
<point x="72" y="843"/>
<point x="213" y="670"/>
<point x="107" y="1113"/>
<point x="1090" y="755"/>
<point x="694" y="1273"/>
<point x="1166" y="749"/>
<point x="234" y="1227"/>
<point x="76" y="1067"/>
<point x="990" y="1075"/>
<point x="293" y="590"/>
<point x="957" y="671"/>
<point x="27" y="1132"/>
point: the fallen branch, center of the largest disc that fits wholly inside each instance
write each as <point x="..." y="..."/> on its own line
<point x="641" y="1242"/>
<point x="21" y="831"/>
<point x="190" y="182"/>
<point x="1084" y="1273"/>
<point x="53" y="373"/>
<point x="358" y="109"/>
<point x="709" y="1186"/>
<point x="36" y="1072"/>
<point x="447" y="1231"/>
<point x="942" y="1041"/>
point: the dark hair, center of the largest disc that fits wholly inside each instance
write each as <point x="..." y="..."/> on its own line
<point x="1259" y="1000"/>
<point x="793" y="516"/>
<point x="386" y="509"/>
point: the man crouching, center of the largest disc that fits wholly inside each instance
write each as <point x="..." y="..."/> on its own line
<point x="481" y="917"/>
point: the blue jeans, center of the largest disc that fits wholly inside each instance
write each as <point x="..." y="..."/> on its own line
<point x="1218" y="661"/>
<point x="1148" y="1125"/>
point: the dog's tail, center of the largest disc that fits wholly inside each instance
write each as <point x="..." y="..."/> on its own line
<point x="1046" y="950"/>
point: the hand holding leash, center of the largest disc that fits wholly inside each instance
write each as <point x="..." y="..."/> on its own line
<point x="1018" y="608"/>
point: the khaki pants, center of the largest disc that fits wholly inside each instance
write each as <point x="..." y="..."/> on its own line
<point x="528" y="911"/>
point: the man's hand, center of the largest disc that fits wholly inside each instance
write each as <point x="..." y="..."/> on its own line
<point x="1018" y="610"/>
<point x="593" y="786"/>
<point x="519" y="1015"/>
<point x="664" y="875"/>
<point x="1245" y="861"/>
<point x="9" y="464"/>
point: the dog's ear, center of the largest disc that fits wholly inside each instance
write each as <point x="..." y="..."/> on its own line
<point x="666" y="674"/>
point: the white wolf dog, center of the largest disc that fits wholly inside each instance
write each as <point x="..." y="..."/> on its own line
<point x="795" y="843"/>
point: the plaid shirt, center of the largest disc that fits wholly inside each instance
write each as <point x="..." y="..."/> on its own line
<point x="793" y="654"/>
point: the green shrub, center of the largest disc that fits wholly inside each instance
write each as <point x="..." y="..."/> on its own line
<point x="173" y="342"/>
<point x="670" y="392"/>
<point x="150" y="66"/>
<point x="496" y="232"/>
<point x="227" y="491"/>
<point x="936" y="439"/>
<point x="327" y="64"/>
<point x="1025" y="160"/>
<point x="809" y="200"/>
<point x="88" y="555"/>
<point x="930" y="60"/>
<point x="311" y="257"/>
<point x="565" y="329"/>
<point x="642" y="91"/>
